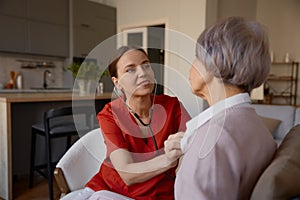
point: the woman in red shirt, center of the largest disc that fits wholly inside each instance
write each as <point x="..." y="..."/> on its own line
<point x="134" y="127"/>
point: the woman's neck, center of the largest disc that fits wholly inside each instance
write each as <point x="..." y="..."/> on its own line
<point x="140" y="105"/>
<point x="220" y="91"/>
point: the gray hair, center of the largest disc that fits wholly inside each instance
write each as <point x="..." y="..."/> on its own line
<point x="237" y="51"/>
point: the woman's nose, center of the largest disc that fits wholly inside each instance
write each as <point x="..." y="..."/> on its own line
<point x="141" y="70"/>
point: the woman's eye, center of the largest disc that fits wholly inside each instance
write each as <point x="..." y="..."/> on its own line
<point x="130" y="70"/>
<point x="146" y="65"/>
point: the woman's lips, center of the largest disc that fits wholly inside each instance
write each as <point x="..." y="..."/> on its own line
<point x="146" y="82"/>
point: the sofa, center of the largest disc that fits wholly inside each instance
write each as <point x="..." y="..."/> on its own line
<point x="278" y="181"/>
<point x="279" y="118"/>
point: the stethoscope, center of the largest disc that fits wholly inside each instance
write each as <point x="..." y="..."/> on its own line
<point x="148" y="125"/>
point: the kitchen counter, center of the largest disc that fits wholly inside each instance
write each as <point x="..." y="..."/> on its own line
<point x="37" y="90"/>
<point x="48" y="96"/>
<point x="18" y="111"/>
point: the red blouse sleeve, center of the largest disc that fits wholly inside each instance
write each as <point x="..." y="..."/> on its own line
<point x="183" y="117"/>
<point x="112" y="133"/>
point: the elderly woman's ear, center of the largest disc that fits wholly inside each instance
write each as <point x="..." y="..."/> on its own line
<point x="201" y="69"/>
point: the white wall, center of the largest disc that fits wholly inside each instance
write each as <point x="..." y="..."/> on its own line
<point x="31" y="77"/>
<point x="283" y="24"/>
<point x="245" y="8"/>
<point x="282" y="19"/>
<point x="185" y="16"/>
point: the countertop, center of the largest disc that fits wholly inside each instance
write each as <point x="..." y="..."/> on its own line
<point x="19" y="97"/>
<point x="18" y="111"/>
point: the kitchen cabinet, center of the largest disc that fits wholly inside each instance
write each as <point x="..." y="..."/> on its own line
<point x="92" y="24"/>
<point x="48" y="27"/>
<point x="48" y="39"/>
<point x="50" y="11"/>
<point x="13" y="34"/>
<point x="16" y="8"/>
<point x="35" y="27"/>
<point x="13" y="25"/>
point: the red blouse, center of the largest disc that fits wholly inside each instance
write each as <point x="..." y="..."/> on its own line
<point x="120" y="130"/>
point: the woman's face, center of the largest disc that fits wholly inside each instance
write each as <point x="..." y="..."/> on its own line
<point x="135" y="75"/>
<point x="199" y="78"/>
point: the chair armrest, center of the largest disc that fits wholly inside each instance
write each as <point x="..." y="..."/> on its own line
<point x="61" y="181"/>
<point x="81" y="162"/>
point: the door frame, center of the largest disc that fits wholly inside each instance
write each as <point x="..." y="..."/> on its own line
<point x="142" y="30"/>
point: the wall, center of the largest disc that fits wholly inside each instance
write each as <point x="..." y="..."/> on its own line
<point x="283" y="23"/>
<point x="282" y="20"/>
<point x="184" y="19"/>
<point x="31" y="77"/>
<point x="191" y="17"/>
<point x="245" y="8"/>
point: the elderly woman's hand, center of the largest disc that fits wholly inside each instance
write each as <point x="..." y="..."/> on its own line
<point x="172" y="146"/>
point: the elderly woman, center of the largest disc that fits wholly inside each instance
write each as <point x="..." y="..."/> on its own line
<point x="227" y="146"/>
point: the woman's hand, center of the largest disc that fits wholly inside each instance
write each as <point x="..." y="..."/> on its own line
<point x="136" y="172"/>
<point x="172" y="146"/>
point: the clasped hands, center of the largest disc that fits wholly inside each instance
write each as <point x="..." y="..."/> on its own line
<point x="172" y="146"/>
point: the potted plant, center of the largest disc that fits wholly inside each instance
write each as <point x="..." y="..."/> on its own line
<point x="87" y="73"/>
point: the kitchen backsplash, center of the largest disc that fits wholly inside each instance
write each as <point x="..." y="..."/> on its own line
<point x="33" y="76"/>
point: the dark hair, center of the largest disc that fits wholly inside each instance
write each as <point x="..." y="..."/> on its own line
<point x="112" y="67"/>
<point x="237" y="51"/>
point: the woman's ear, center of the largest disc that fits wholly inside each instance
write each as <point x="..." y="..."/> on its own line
<point x="114" y="80"/>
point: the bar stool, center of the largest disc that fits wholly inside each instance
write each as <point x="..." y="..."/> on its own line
<point x="58" y="123"/>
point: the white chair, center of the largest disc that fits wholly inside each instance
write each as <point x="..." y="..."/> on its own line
<point x="80" y="163"/>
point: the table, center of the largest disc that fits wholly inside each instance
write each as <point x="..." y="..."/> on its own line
<point x="18" y="111"/>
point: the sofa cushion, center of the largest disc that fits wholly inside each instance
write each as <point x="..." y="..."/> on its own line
<point x="286" y="114"/>
<point x="280" y="180"/>
<point x="297" y="116"/>
<point x="270" y="123"/>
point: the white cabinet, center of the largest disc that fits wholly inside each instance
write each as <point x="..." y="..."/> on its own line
<point x="92" y="24"/>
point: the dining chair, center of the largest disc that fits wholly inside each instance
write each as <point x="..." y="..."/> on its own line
<point x="64" y="122"/>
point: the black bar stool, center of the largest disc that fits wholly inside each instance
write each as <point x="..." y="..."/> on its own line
<point x="58" y="123"/>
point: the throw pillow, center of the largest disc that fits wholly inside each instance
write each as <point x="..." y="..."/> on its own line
<point x="280" y="180"/>
<point x="270" y="123"/>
